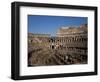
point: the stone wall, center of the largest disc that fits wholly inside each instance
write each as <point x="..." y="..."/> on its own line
<point x="68" y="47"/>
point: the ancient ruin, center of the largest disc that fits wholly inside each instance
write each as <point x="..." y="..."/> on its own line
<point x="69" y="46"/>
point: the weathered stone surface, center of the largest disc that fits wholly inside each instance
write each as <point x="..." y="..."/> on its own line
<point x="68" y="47"/>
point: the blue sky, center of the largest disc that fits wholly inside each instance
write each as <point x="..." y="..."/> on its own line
<point x="49" y="24"/>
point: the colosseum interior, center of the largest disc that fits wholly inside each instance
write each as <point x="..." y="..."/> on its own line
<point x="69" y="46"/>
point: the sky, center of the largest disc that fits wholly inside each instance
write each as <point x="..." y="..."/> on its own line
<point x="50" y="24"/>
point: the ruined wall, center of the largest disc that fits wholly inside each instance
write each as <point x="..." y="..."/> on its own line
<point x="68" y="47"/>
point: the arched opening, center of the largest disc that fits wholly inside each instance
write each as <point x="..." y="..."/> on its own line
<point x="52" y="47"/>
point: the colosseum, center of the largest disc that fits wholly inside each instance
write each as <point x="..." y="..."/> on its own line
<point x="69" y="46"/>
